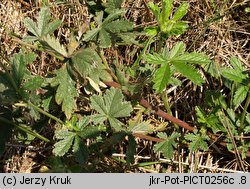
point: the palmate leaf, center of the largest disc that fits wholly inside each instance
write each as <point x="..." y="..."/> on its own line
<point x="180" y="61"/>
<point x="239" y="76"/>
<point x="71" y="136"/>
<point x="43" y="27"/>
<point x="87" y="63"/>
<point x="66" y="91"/>
<point x="189" y="72"/>
<point x="63" y="146"/>
<point x="167" y="146"/>
<point x="109" y="29"/>
<point x="162" y="77"/>
<point x="198" y="141"/>
<point x="110" y="107"/>
<point x="168" y="25"/>
<point x="211" y="120"/>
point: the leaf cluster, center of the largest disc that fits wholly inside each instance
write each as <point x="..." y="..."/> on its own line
<point x="109" y="30"/>
<point x="168" y="24"/>
<point x="176" y="60"/>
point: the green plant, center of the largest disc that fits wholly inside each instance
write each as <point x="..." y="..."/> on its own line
<point x="198" y="140"/>
<point x="176" y="60"/>
<point x="109" y="30"/>
<point x="229" y="117"/>
<point x="91" y="118"/>
<point x="168" y="24"/>
<point x="43" y="27"/>
<point x="239" y="85"/>
<point x="110" y="107"/>
<point x="78" y="64"/>
<point x="18" y="84"/>
<point x="167" y="145"/>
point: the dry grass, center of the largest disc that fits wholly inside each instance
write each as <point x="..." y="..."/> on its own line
<point x="219" y="38"/>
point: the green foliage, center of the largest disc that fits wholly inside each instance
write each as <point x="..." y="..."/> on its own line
<point x="240" y="80"/>
<point x="66" y="139"/>
<point x="66" y="92"/>
<point x="225" y="120"/>
<point x="110" y="29"/>
<point x="198" y="141"/>
<point x="168" y="25"/>
<point x="110" y="107"/>
<point x="19" y="69"/>
<point x="168" y="145"/>
<point x="42" y="32"/>
<point x="8" y="93"/>
<point x="210" y="120"/>
<point x="43" y="27"/>
<point x="113" y="5"/>
<point x="19" y="83"/>
<point x="107" y="120"/>
<point x="87" y="63"/>
<point x="180" y="60"/>
<point x="52" y="44"/>
<point x="71" y="135"/>
<point x="162" y="77"/>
